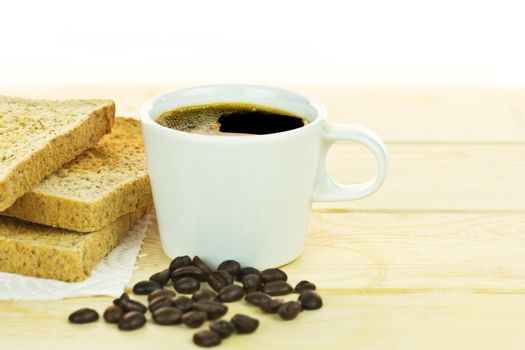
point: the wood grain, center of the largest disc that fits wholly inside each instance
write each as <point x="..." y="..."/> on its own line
<point x="412" y="251"/>
<point x="436" y="177"/>
<point x="415" y="321"/>
<point x="388" y="280"/>
<point x="419" y="114"/>
<point x="382" y="253"/>
<point x="433" y="260"/>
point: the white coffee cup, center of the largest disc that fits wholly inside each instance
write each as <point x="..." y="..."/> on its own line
<point x="246" y="198"/>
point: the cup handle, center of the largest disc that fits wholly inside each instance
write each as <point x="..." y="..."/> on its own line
<point x="325" y="189"/>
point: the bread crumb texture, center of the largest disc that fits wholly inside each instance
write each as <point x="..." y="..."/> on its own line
<point x="102" y="184"/>
<point x="46" y="252"/>
<point x="117" y="159"/>
<point x="38" y="136"/>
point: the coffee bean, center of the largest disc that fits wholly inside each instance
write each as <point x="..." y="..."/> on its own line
<point x="213" y="309"/>
<point x="244" y="324"/>
<point x="206" y="338"/>
<point x="219" y="279"/>
<point x="197" y="262"/>
<point x="113" y="314"/>
<point x="145" y="287"/>
<point x="310" y="300"/>
<point x="251" y="283"/>
<point x="277" y="288"/>
<point x="83" y="316"/>
<point x="304" y="285"/>
<point x="271" y="275"/>
<point x="167" y="315"/>
<point x="131" y="321"/>
<point x="182" y="303"/>
<point x="178" y="262"/>
<point x="120" y="299"/>
<point x="160" y="302"/>
<point x="133" y="305"/>
<point x="160" y="293"/>
<point x="161" y="277"/>
<point x="187" y="285"/>
<point x="230" y="266"/>
<point x="204" y="294"/>
<point x="188" y="271"/>
<point x="194" y="319"/>
<point x="289" y="310"/>
<point x="247" y="271"/>
<point x="255" y="298"/>
<point x="270" y="305"/>
<point x="222" y="327"/>
<point x="231" y="293"/>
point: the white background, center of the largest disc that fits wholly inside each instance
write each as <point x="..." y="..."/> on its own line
<point x="312" y="42"/>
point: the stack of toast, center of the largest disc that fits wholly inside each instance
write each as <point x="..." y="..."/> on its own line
<point x="73" y="180"/>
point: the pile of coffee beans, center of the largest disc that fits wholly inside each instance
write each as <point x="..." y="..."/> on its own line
<point x="229" y="282"/>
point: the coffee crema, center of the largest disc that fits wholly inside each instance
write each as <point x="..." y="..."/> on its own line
<point x="230" y="119"/>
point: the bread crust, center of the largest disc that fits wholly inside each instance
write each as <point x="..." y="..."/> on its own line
<point x="104" y="183"/>
<point x="46" y="252"/>
<point x="21" y="171"/>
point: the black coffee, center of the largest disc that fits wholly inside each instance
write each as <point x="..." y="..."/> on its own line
<point x="230" y="119"/>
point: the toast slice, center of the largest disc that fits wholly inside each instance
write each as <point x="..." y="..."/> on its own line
<point x="38" y="136"/>
<point x="96" y="188"/>
<point x="47" y="252"/>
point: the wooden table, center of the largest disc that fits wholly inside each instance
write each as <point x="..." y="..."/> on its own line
<point x="434" y="260"/>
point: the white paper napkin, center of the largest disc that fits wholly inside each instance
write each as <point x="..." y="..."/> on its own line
<point x="109" y="277"/>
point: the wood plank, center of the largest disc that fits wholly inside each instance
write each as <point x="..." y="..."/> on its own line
<point x="414" y="252"/>
<point x="403" y="281"/>
<point x="396" y="113"/>
<point x="420" y="114"/>
<point x="406" y="321"/>
<point x="442" y="177"/>
<point x="434" y="260"/>
<point x="399" y="252"/>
